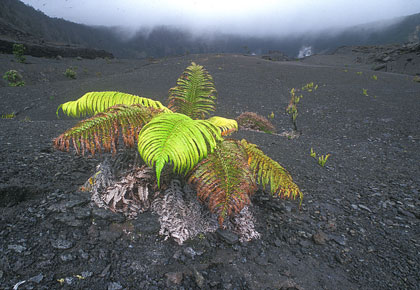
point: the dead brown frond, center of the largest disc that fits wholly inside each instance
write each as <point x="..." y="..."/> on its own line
<point x="253" y="121"/>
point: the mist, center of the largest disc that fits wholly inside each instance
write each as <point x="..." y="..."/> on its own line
<point x="263" y="18"/>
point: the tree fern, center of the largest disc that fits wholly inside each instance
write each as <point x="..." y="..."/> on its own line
<point x="270" y="172"/>
<point x="224" y="172"/>
<point x="96" y="102"/>
<point x="224" y="179"/>
<point x="178" y="139"/>
<point x="195" y="93"/>
<point x="103" y="129"/>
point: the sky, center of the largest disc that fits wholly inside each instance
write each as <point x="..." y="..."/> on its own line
<point x="245" y="17"/>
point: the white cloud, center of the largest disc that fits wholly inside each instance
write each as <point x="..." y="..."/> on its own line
<point x="257" y="17"/>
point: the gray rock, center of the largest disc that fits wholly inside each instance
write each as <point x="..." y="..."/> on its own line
<point x="319" y="238"/>
<point x="304" y="244"/>
<point x="289" y="285"/>
<point x="61" y="244"/>
<point x="199" y="279"/>
<point x="261" y="260"/>
<point x="228" y="236"/>
<point x="36" y="279"/>
<point x="17" y="248"/>
<point x="379" y="67"/>
<point x="405" y="213"/>
<point x="189" y="252"/>
<point x="109" y="236"/>
<point x="339" y="240"/>
<point x="68" y="219"/>
<point x="82" y="212"/>
<point x="354" y="206"/>
<point x="174" y="278"/>
<point x="66" y="257"/>
<point x="364" y="207"/>
<point x="114" y="286"/>
<point x="86" y="274"/>
<point x="69" y="280"/>
<point x="278" y="243"/>
<point x="147" y="223"/>
<point x="107" y="215"/>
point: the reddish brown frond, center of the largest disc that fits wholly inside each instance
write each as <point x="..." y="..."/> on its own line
<point x="253" y="121"/>
<point x="101" y="132"/>
<point x="223" y="180"/>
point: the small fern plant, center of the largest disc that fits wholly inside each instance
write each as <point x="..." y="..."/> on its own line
<point x="224" y="172"/>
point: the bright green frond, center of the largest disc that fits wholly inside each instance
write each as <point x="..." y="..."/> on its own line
<point x="226" y="126"/>
<point x="194" y="94"/>
<point x="270" y="172"/>
<point x="96" y="102"/>
<point x="103" y="130"/>
<point x="224" y="179"/>
<point x="178" y="139"/>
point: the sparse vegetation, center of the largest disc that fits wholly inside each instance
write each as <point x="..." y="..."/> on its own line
<point x="14" y="78"/>
<point x="416" y="79"/>
<point x="70" y="73"/>
<point x="309" y="87"/>
<point x="365" y="93"/>
<point x="292" y="107"/>
<point x="375" y="77"/>
<point x="322" y="159"/>
<point x="8" y="116"/>
<point x="18" y="52"/>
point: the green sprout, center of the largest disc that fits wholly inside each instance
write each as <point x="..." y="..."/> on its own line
<point x="313" y="154"/>
<point x="365" y="92"/>
<point x="359" y="73"/>
<point x="271" y="116"/>
<point x="375" y="77"/>
<point x="321" y="159"/>
<point x="8" y="116"/>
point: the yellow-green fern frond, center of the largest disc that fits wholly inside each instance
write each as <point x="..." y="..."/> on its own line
<point x="103" y="130"/>
<point x="270" y="172"/>
<point x="226" y="126"/>
<point x="194" y="94"/>
<point x="224" y="180"/>
<point x="178" y="139"/>
<point x="96" y="102"/>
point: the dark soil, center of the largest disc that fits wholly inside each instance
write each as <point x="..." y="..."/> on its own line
<point x="358" y="227"/>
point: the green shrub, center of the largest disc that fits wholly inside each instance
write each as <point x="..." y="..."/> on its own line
<point x="70" y="73"/>
<point x="14" y="78"/>
<point x="18" y="51"/>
